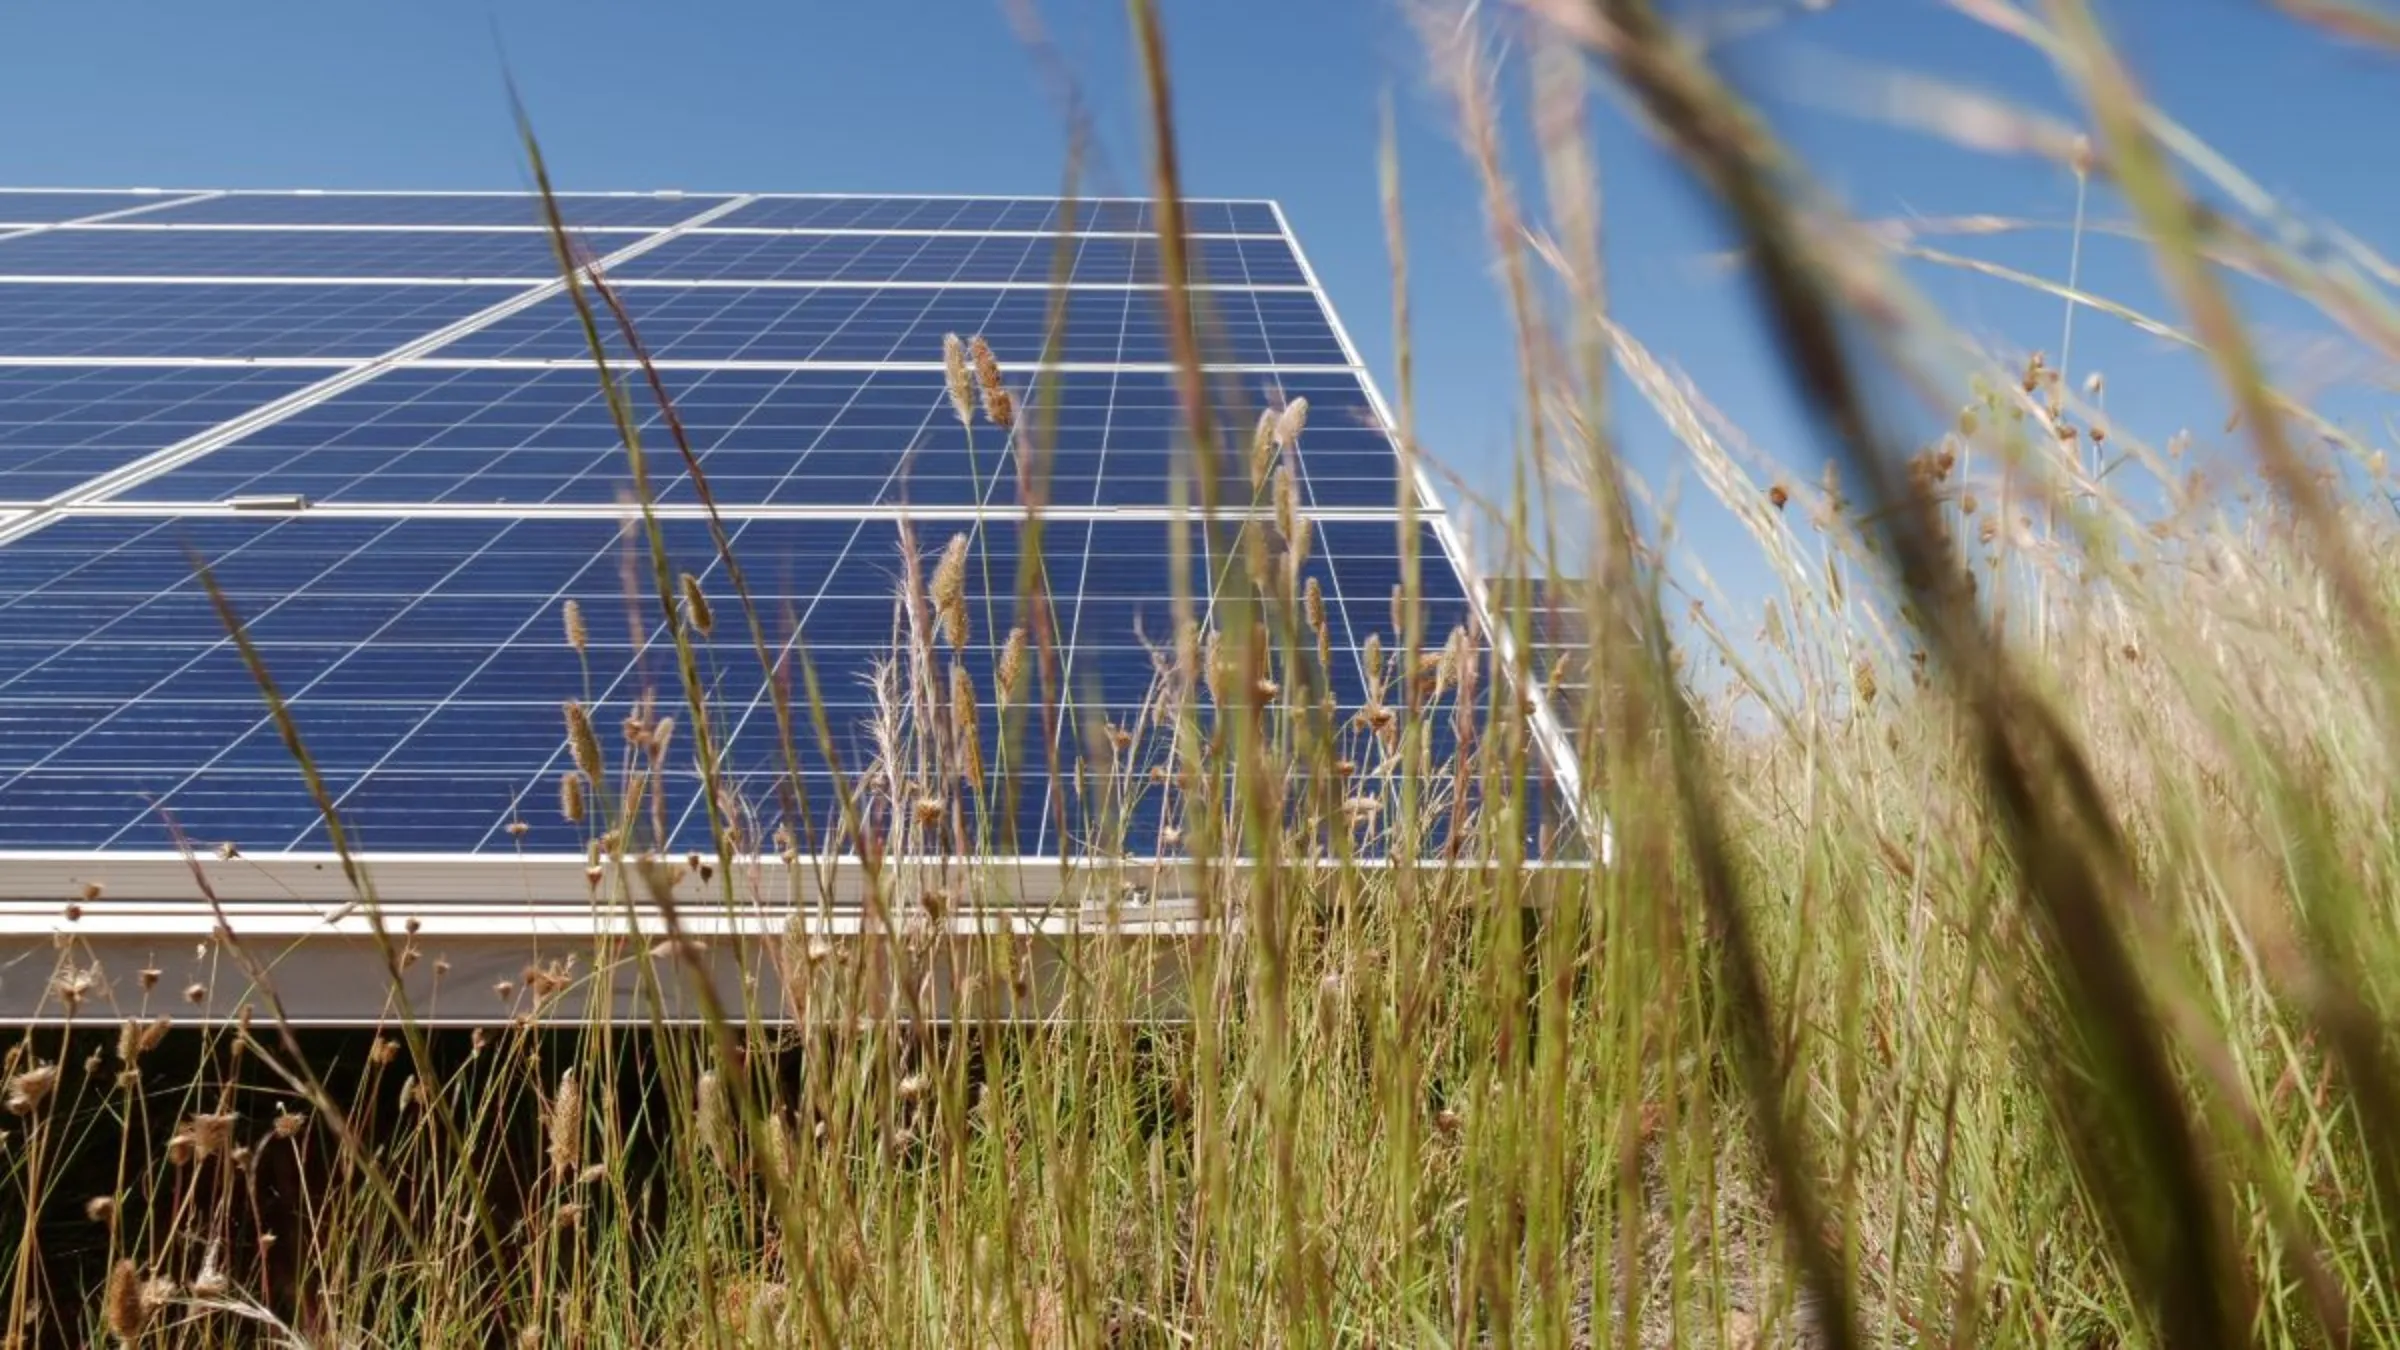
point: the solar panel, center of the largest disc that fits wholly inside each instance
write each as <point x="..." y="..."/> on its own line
<point x="401" y="478"/>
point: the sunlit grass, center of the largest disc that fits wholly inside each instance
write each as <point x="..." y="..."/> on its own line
<point x="1999" y="951"/>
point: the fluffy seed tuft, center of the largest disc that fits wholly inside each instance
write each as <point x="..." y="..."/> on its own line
<point x="997" y="405"/>
<point x="963" y="717"/>
<point x="960" y="385"/>
<point x="1262" y="450"/>
<point x="1012" y="666"/>
<point x="122" y="1306"/>
<point x="950" y="591"/>
<point x="565" y="1128"/>
<point x="28" y="1090"/>
<point x="1289" y="424"/>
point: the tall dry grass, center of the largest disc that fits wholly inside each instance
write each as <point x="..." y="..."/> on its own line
<point x="2003" y="955"/>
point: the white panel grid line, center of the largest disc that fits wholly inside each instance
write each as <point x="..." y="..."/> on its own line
<point x="862" y="367"/>
<point x="1549" y="731"/>
<point x="142" y="279"/>
<point x="662" y="363"/>
<point x="158" y="204"/>
<point x="114" y="223"/>
<point x="693" y="511"/>
<point x="191" y="448"/>
<point x="648" y="194"/>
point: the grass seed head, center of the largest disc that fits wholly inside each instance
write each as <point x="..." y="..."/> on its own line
<point x="950" y="591"/>
<point x="695" y="606"/>
<point x="1290" y="422"/>
<point x="582" y="742"/>
<point x="570" y="796"/>
<point x="565" y="1128"/>
<point x="997" y="405"/>
<point x="204" y="1136"/>
<point x="578" y="637"/>
<point x="1262" y="450"/>
<point x="122" y="1305"/>
<point x="709" y="1114"/>
<point x="28" y="1090"/>
<point x="956" y="379"/>
<point x="1012" y="666"/>
<point x="963" y="717"/>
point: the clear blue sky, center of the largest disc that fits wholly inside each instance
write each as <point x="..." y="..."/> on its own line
<point x="1276" y="98"/>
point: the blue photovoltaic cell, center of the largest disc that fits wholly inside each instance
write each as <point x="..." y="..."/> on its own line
<point x="424" y="662"/>
<point x="977" y="214"/>
<point x="61" y="425"/>
<point x="127" y="251"/>
<point x="592" y="212"/>
<point x="876" y="324"/>
<point x="221" y="319"/>
<point x="48" y="208"/>
<point x="780" y="437"/>
<point x="1098" y="259"/>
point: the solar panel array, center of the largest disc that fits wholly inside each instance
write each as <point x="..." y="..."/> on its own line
<point x="410" y="365"/>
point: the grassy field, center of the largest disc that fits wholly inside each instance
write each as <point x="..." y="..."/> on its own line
<point x="2002" y="953"/>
